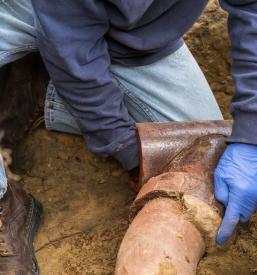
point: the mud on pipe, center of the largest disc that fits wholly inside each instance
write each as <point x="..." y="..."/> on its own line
<point x="175" y="217"/>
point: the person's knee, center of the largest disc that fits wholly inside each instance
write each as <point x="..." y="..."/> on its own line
<point x="17" y="30"/>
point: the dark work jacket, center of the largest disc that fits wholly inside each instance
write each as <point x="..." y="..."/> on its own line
<point x="79" y="39"/>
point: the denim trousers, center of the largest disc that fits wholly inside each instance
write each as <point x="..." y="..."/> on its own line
<point x="171" y="89"/>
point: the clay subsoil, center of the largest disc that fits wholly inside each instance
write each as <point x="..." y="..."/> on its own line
<point x="86" y="198"/>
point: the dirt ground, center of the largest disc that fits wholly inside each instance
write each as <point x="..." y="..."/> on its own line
<point x="86" y="198"/>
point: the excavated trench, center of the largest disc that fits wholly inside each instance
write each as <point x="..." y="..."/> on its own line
<point x="86" y="198"/>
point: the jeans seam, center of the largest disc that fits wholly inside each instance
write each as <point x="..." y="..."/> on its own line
<point x="51" y="91"/>
<point x="52" y="98"/>
<point x="19" y="49"/>
<point x="6" y="54"/>
<point x="51" y="104"/>
<point x="137" y="101"/>
<point x="48" y="118"/>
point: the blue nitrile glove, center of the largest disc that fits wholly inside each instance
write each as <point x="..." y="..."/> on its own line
<point x="236" y="186"/>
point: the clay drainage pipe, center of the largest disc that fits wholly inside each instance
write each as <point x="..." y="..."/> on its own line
<point x="175" y="216"/>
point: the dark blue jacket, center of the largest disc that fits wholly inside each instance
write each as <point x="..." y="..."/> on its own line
<point x="79" y="39"/>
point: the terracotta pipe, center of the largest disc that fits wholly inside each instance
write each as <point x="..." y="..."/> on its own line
<point x="160" y="142"/>
<point x="175" y="216"/>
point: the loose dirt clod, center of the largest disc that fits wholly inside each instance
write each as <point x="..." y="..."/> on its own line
<point x="167" y="268"/>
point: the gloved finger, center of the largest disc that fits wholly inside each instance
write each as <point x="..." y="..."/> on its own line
<point x="221" y="189"/>
<point x="229" y="223"/>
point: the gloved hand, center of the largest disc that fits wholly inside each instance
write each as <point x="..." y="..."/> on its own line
<point x="236" y="186"/>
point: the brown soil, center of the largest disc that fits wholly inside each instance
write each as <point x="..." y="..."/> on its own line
<point x="86" y="198"/>
<point x="85" y="202"/>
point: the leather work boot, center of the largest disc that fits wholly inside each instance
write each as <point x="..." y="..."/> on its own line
<point x="20" y="216"/>
<point x="22" y="94"/>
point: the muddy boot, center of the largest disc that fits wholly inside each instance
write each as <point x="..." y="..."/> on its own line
<point x="20" y="216"/>
<point x="22" y="94"/>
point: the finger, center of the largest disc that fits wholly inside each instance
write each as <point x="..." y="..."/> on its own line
<point x="221" y="189"/>
<point x="228" y="224"/>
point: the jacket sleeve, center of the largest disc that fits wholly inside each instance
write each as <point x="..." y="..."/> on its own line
<point x="242" y="25"/>
<point x="71" y="41"/>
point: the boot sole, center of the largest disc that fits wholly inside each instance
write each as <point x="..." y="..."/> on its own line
<point x="36" y="217"/>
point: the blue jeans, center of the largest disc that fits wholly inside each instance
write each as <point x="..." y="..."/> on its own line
<point x="172" y="89"/>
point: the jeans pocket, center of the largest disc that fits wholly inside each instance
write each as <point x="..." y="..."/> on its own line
<point x="137" y="104"/>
